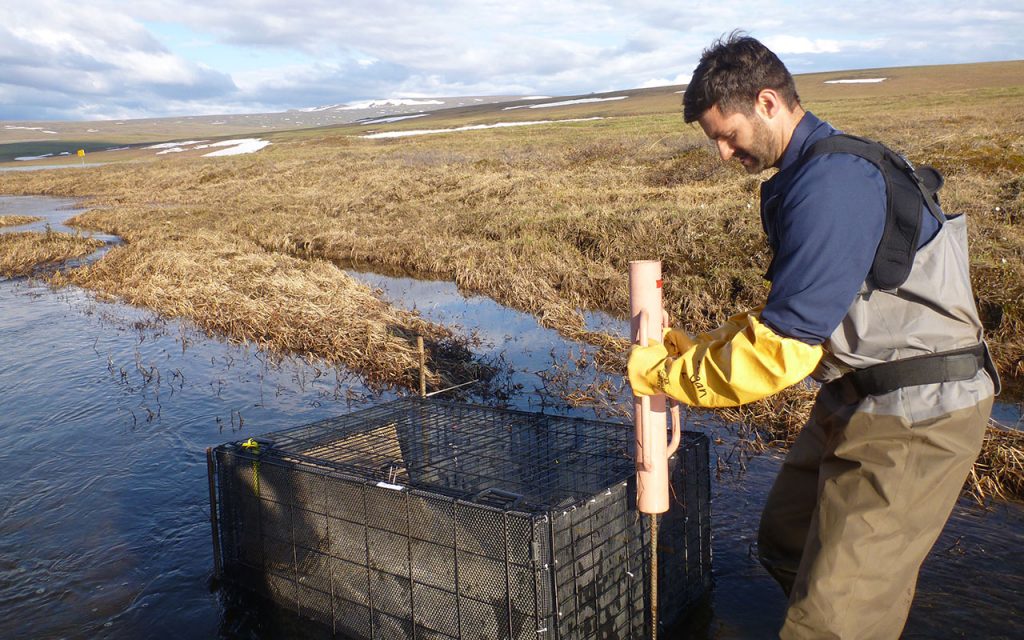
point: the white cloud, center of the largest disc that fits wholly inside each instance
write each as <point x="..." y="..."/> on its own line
<point x="105" y="58"/>
<point x="664" y="82"/>
<point x="784" y="44"/>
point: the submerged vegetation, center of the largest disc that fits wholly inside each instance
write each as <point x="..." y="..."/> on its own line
<point x="22" y="253"/>
<point x="543" y="219"/>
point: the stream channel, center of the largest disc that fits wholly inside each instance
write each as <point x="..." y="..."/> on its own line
<point x="106" y="411"/>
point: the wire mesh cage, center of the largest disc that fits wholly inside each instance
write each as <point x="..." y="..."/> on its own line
<point x="438" y="520"/>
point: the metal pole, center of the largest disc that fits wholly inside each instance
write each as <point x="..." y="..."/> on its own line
<point x="210" y="473"/>
<point x="423" y="366"/>
<point x="654" y="576"/>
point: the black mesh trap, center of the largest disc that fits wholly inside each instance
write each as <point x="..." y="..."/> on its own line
<point x="435" y="520"/>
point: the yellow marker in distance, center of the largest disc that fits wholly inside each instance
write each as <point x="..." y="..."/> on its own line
<point x="81" y="154"/>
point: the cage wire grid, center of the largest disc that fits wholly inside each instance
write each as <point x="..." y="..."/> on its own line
<point x="439" y="520"/>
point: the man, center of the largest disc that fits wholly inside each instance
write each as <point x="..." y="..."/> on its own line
<point x="871" y="479"/>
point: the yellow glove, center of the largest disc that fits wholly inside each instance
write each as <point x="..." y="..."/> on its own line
<point x="676" y="342"/>
<point x="645" y="365"/>
<point x="740" y="362"/>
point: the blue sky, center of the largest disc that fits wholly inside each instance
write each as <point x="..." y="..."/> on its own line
<point x="106" y="59"/>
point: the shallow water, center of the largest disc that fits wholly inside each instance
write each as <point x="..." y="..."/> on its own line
<point x="42" y="167"/>
<point x="106" y="412"/>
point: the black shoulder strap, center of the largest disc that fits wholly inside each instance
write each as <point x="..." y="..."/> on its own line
<point x="906" y="192"/>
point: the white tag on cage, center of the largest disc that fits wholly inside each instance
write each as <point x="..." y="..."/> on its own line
<point x="388" y="485"/>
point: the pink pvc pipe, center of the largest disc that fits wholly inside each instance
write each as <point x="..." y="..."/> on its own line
<point x="646" y="318"/>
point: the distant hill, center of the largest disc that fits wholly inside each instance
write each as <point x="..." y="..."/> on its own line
<point x="106" y="141"/>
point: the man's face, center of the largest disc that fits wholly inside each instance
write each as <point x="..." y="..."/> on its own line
<point x="746" y="138"/>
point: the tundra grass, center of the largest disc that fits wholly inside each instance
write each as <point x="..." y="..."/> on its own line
<point x="543" y="219"/>
<point x="228" y="286"/>
<point x="23" y="253"/>
<point x="17" y="221"/>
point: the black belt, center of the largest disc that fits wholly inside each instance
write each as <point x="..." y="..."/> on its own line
<point x="948" y="366"/>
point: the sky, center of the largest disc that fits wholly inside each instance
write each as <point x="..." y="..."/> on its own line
<point x="118" y="59"/>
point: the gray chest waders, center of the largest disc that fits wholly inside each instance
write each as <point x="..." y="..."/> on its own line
<point x="956" y="351"/>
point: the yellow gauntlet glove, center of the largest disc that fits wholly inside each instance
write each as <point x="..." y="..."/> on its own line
<point x="676" y="342"/>
<point x="740" y="362"/>
<point x="645" y="365"/>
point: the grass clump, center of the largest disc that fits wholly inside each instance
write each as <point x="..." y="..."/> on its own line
<point x="999" y="470"/>
<point x="230" y="287"/>
<point x="23" y="253"/>
<point x="17" y="221"/>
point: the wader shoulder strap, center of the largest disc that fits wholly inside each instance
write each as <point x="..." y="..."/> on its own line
<point x="907" y="190"/>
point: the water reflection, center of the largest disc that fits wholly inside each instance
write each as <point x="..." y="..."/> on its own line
<point x="42" y="167"/>
<point x="535" y="360"/>
<point x="107" y="412"/>
<point x="1008" y="415"/>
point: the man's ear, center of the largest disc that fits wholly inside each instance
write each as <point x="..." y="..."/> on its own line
<point x="768" y="103"/>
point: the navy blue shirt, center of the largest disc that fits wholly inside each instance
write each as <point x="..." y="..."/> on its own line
<point x="824" y="222"/>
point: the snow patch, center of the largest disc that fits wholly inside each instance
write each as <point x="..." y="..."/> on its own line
<point x="12" y="127"/>
<point x="856" y="81"/>
<point x="234" y="147"/>
<point x="168" y="145"/>
<point x="231" y="147"/>
<point x="27" y="158"/>
<point x="563" y="103"/>
<point x="390" y="102"/>
<point x="391" y="119"/>
<point x="474" y="127"/>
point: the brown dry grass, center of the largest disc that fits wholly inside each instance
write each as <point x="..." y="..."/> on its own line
<point x="23" y="253"/>
<point x="17" y="221"/>
<point x="999" y="470"/>
<point x="227" y="286"/>
<point x="545" y="219"/>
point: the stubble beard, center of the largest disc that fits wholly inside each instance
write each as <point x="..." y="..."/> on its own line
<point x="762" y="153"/>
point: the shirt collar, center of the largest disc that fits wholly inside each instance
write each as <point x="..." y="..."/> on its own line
<point x="802" y="135"/>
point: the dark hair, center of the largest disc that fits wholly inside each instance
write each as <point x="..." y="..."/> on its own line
<point x="731" y="73"/>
